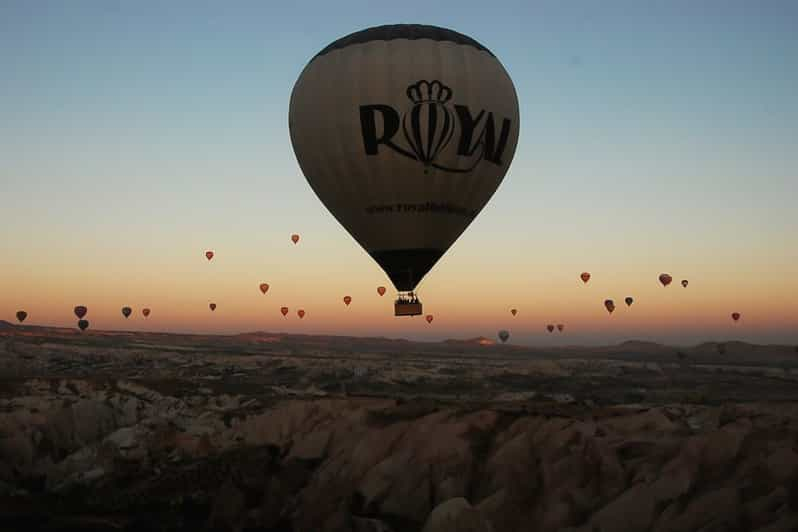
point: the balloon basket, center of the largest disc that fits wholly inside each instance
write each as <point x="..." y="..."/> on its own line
<point x="407" y="305"/>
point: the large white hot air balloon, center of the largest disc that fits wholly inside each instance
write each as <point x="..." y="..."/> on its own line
<point x="404" y="132"/>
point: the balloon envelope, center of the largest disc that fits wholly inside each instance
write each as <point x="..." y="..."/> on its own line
<point x="560" y="327"/>
<point x="585" y="277"/>
<point x="209" y="255"/>
<point x="514" y="311"/>
<point x="684" y="283"/>
<point x="629" y="301"/>
<point x="381" y="290"/>
<point x="126" y="311"/>
<point x="284" y="311"/>
<point x="80" y="311"/>
<point x="504" y="335"/>
<point x="21" y="315"/>
<point x="550" y="327"/>
<point x="300" y="313"/>
<point x="83" y="325"/>
<point x="665" y="279"/>
<point x="347" y="300"/>
<point x="404" y="133"/>
<point x="264" y="287"/>
<point x="735" y="316"/>
<point x="294" y="238"/>
<point x="429" y="318"/>
<point x="212" y="306"/>
<point x="609" y="304"/>
<point x="146" y="312"/>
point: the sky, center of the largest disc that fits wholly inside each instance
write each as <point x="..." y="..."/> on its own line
<point x="655" y="137"/>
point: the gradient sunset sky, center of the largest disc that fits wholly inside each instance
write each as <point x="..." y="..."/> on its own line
<point x="656" y="136"/>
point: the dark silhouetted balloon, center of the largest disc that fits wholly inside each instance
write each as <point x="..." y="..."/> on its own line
<point x="550" y="327"/>
<point x="404" y="151"/>
<point x="284" y="311"/>
<point x="585" y="277"/>
<point x="504" y="335"/>
<point x="264" y="287"/>
<point x="21" y="315"/>
<point x="735" y="316"/>
<point x="629" y="301"/>
<point x="381" y="290"/>
<point x="146" y="312"/>
<point x="665" y="279"/>
<point x="127" y="311"/>
<point x="560" y="327"/>
<point x="300" y="313"/>
<point x="80" y="311"/>
<point x="83" y="325"/>
<point x="347" y="300"/>
<point x="212" y="306"/>
<point x="429" y="318"/>
<point x="514" y="311"/>
<point x="295" y="239"/>
<point x="209" y="255"/>
<point x="609" y="304"/>
<point x="684" y="283"/>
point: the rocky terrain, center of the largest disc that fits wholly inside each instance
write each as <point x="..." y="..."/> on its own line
<point x="109" y="431"/>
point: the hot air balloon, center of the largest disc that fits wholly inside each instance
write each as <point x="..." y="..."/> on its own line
<point x="300" y="313"/>
<point x="429" y="318"/>
<point x="560" y="327"/>
<point x="212" y="306"/>
<point x="209" y="255"/>
<point x="83" y="325"/>
<point x="284" y="311"/>
<point x="665" y="279"/>
<point x="295" y="239"/>
<point x="80" y="311"/>
<point x="381" y="290"/>
<point x="550" y="327"/>
<point x="629" y="301"/>
<point x="585" y="277"/>
<point x="504" y="336"/>
<point x="126" y="311"/>
<point x="609" y="304"/>
<point x="146" y="312"/>
<point x="684" y="283"/>
<point x="264" y="287"/>
<point x="347" y="300"/>
<point x="513" y="311"/>
<point x="420" y="125"/>
<point x="735" y="316"/>
<point x="21" y="315"/>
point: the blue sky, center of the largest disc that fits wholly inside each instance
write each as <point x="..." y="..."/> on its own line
<point x="652" y="133"/>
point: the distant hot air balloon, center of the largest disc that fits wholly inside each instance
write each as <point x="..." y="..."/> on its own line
<point x="560" y="327"/>
<point x="21" y="315"/>
<point x="295" y="239"/>
<point x="212" y="306"/>
<point x="284" y="311"/>
<point x="665" y="279"/>
<point x="209" y="255"/>
<point x="347" y="300"/>
<point x="585" y="277"/>
<point x="735" y="316"/>
<point x="83" y="325"/>
<point x="550" y="327"/>
<point x="504" y="336"/>
<point x="513" y="311"/>
<point x="609" y="304"/>
<point x="300" y="313"/>
<point x="684" y="283"/>
<point x="264" y="287"/>
<point x="146" y="312"/>
<point x="80" y="311"/>
<point x="629" y="301"/>
<point x="126" y="311"/>
<point x="409" y="150"/>
<point x="381" y="290"/>
<point x="429" y="318"/>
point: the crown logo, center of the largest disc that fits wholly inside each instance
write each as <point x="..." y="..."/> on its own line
<point x="425" y="91"/>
